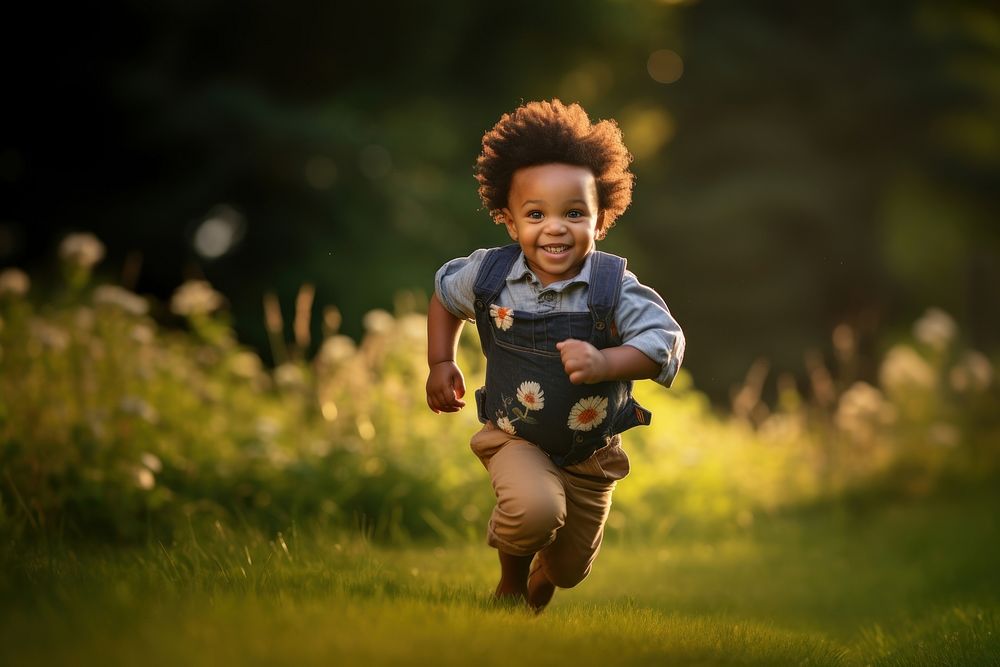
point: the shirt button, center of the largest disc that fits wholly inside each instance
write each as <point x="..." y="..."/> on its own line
<point x="547" y="296"/>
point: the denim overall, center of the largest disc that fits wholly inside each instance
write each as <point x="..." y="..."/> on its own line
<point x="527" y="392"/>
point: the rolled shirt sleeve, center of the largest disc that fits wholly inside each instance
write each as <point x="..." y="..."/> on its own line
<point x="454" y="283"/>
<point x="645" y="323"/>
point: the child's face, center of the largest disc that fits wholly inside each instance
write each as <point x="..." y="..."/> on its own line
<point x="552" y="213"/>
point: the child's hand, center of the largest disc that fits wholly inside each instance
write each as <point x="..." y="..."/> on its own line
<point x="445" y="387"/>
<point x="583" y="363"/>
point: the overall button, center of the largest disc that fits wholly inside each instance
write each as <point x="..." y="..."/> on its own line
<point x="578" y="438"/>
<point x="479" y="304"/>
<point x="599" y="325"/>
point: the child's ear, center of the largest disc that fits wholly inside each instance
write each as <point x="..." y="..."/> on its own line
<point x="508" y="220"/>
<point x="602" y="230"/>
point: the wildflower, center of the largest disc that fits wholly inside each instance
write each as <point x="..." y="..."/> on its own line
<point x="845" y="341"/>
<point x="119" y="297"/>
<point x="378" y="321"/>
<point x="943" y="434"/>
<point x="366" y="429"/>
<point x="133" y="405"/>
<point x="151" y="461"/>
<point x="267" y="428"/>
<point x="973" y="371"/>
<point x="504" y="424"/>
<point x="289" y="376"/>
<point x="935" y="329"/>
<point x="195" y="297"/>
<point x="531" y="396"/>
<point x="336" y="349"/>
<point x="903" y="368"/>
<point x="246" y="365"/>
<point x="588" y="413"/>
<point x="144" y="479"/>
<point x="502" y="317"/>
<point x="143" y="334"/>
<point x="413" y="326"/>
<point x="83" y="318"/>
<point x="14" y="281"/>
<point x="81" y="250"/>
<point x="861" y="409"/>
<point x="48" y="335"/>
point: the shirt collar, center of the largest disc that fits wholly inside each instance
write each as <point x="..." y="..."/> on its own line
<point x="520" y="271"/>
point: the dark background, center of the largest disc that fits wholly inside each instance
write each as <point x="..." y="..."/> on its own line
<point x="814" y="163"/>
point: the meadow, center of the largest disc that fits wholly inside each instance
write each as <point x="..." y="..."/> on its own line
<point x="168" y="497"/>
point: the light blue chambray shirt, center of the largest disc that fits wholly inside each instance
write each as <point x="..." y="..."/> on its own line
<point x="642" y="318"/>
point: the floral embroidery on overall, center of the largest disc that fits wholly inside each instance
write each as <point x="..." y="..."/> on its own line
<point x="531" y="397"/>
<point x="588" y="413"/>
<point x="502" y="317"/>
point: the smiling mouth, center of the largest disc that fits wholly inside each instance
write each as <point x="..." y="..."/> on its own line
<point x="555" y="249"/>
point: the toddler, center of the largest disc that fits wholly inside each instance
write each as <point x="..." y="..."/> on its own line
<point x="565" y="329"/>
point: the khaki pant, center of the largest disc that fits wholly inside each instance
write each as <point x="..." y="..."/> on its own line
<point x="557" y="512"/>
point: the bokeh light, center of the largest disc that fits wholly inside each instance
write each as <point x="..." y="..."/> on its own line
<point x="665" y="66"/>
<point x="219" y="232"/>
<point x="321" y="172"/>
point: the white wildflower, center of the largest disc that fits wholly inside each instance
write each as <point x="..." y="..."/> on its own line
<point x="935" y="328"/>
<point x="134" y="405"/>
<point x="151" y="461"/>
<point x="195" y="297"/>
<point x="378" y="321"/>
<point x="944" y="434"/>
<point x="973" y="371"/>
<point x="82" y="250"/>
<point x="336" y="349"/>
<point x="144" y="479"/>
<point x="903" y="368"/>
<point x="48" y="335"/>
<point x="245" y="364"/>
<point x="289" y="376"/>
<point x="267" y="428"/>
<point x="861" y="410"/>
<point x="119" y="297"/>
<point x="143" y="334"/>
<point x="413" y="326"/>
<point x="83" y="318"/>
<point x="14" y="281"/>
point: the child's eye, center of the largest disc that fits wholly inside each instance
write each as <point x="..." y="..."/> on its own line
<point x="575" y="214"/>
<point x="535" y="215"/>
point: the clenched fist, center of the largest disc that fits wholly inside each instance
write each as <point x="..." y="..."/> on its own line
<point x="583" y="363"/>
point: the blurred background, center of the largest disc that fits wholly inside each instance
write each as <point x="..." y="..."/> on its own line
<point x="797" y="166"/>
<point x="811" y="181"/>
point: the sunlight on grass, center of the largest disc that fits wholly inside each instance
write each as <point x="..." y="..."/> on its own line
<point x="908" y="584"/>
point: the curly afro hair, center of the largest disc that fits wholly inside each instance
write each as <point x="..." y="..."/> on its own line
<point x="551" y="132"/>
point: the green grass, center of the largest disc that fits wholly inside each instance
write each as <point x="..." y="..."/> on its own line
<point x="897" y="584"/>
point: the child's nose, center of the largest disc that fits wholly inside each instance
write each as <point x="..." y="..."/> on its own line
<point x="555" y="226"/>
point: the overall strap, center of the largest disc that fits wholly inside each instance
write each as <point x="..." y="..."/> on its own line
<point x="492" y="275"/>
<point x="606" y="274"/>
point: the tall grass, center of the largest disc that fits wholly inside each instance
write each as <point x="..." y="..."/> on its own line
<point x="115" y="423"/>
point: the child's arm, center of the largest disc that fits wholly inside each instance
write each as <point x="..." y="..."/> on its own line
<point x="445" y="384"/>
<point x="585" y="364"/>
<point x="652" y="342"/>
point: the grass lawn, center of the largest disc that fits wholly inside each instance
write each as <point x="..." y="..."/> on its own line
<point x="902" y="583"/>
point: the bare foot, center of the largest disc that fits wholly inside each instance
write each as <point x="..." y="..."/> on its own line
<point x="513" y="586"/>
<point x="540" y="589"/>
